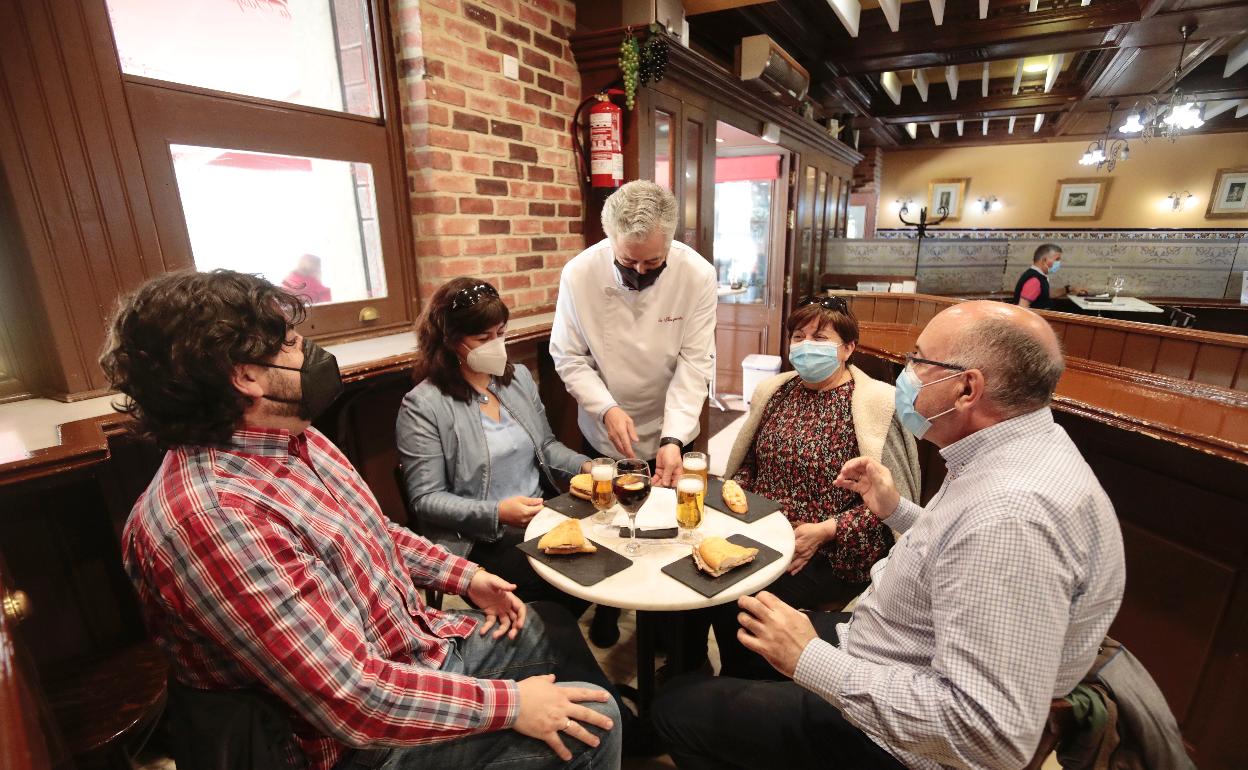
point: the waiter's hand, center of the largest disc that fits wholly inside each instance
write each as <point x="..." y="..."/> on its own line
<point x="667" y="465"/>
<point x="621" y="431"/>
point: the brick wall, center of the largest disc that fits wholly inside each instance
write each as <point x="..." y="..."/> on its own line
<point x="869" y="172"/>
<point x="490" y="166"/>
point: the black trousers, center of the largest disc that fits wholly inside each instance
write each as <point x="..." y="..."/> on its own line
<point x="720" y="722"/>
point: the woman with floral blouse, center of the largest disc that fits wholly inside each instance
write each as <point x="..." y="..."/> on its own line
<point x="802" y="427"/>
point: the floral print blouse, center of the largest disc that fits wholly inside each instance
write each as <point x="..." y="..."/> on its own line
<point x="803" y="439"/>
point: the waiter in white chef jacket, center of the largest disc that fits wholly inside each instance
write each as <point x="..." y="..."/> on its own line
<point x="634" y="332"/>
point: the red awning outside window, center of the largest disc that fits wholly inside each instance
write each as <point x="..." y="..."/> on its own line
<point x="747" y="168"/>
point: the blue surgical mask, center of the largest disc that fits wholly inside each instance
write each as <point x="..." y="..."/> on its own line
<point x="814" y="361"/>
<point x="908" y="387"/>
<point x="1056" y="266"/>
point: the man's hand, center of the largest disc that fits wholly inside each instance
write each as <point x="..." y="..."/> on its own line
<point x="547" y="709"/>
<point x="667" y="465"/>
<point x="873" y="482"/>
<point x="621" y="431"/>
<point x="774" y="630"/>
<point x="807" y="539"/>
<point x="494" y="597"/>
<point x="517" y="511"/>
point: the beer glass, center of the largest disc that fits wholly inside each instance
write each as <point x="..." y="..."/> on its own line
<point x="689" y="491"/>
<point x="601" y="472"/>
<point x="697" y="464"/>
<point x="632" y="488"/>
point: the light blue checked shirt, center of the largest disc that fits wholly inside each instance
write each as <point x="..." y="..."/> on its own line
<point x="992" y="603"/>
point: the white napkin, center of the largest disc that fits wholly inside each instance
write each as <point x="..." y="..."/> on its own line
<point x="659" y="512"/>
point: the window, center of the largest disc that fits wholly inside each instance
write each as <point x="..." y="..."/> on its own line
<point x="266" y="122"/>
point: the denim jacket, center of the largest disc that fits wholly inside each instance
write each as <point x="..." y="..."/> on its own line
<point x="446" y="462"/>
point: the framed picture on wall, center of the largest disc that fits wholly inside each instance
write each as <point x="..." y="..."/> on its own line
<point x="947" y="194"/>
<point x="1081" y="198"/>
<point x="1230" y="194"/>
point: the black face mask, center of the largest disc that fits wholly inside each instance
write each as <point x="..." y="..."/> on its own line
<point x="319" y="381"/>
<point x="638" y="281"/>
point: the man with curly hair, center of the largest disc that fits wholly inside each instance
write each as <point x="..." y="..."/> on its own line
<point x="264" y="565"/>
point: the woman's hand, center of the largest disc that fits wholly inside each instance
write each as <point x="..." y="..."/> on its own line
<point x="518" y="511"/>
<point x="586" y="466"/>
<point x="807" y="539"/>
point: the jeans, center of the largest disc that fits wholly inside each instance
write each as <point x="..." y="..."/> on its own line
<point x="544" y="646"/>
<point x="720" y="722"/>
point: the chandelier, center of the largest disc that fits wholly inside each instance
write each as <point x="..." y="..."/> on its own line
<point x="1106" y="152"/>
<point x="1180" y="113"/>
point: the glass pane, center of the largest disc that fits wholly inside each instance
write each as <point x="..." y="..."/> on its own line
<point x="663" y="140"/>
<point x="743" y="239"/>
<point x="307" y="223"/>
<point x="805" y="225"/>
<point x="693" y="183"/>
<point x="317" y="53"/>
<point x="857" y="223"/>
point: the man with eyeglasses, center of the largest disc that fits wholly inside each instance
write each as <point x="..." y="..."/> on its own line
<point x="993" y="601"/>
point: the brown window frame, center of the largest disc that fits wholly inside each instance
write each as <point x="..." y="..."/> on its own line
<point x="165" y="113"/>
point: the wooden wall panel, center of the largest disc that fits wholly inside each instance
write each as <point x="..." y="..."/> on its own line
<point x="1241" y="376"/>
<point x="1175" y="358"/>
<point x="1140" y="352"/>
<point x="734" y="343"/>
<point x="1217" y="365"/>
<point x="1077" y="340"/>
<point x="1107" y="346"/>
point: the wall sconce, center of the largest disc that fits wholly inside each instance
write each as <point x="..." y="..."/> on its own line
<point x="1178" y="200"/>
<point x="903" y="205"/>
<point x="989" y="204"/>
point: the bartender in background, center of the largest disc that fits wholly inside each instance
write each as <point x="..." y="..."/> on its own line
<point x="633" y="340"/>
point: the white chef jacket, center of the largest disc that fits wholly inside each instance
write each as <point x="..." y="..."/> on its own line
<point x="650" y="352"/>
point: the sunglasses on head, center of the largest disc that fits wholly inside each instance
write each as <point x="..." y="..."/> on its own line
<point x="471" y="295"/>
<point x="827" y="303"/>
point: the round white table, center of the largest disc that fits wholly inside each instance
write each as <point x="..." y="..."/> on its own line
<point x="644" y="587"/>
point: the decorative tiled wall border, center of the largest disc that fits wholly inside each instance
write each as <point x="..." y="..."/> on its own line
<point x="1041" y="234"/>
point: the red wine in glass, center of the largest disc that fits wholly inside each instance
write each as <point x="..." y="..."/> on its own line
<point x="632" y="488"/>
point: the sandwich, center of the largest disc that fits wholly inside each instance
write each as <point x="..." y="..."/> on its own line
<point x="734" y="497"/>
<point x="582" y="486"/>
<point x="715" y="556"/>
<point x="564" y="539"/>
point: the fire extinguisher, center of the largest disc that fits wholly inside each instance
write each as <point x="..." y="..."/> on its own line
<point x="605" y="166"/>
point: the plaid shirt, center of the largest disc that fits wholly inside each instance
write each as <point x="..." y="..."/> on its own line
<point x="267" y="564"/>
<point x="990" y="605"/>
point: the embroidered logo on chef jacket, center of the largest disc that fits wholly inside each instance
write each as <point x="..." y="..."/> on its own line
<point x="667" y="319"/>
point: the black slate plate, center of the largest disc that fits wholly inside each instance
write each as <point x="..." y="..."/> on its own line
<point x="652" y="534"/>
<point x="687" y="572"/>
<point x="572" y="507"/>
<point x="584" y="568"/>
<point x="759" y="505"/>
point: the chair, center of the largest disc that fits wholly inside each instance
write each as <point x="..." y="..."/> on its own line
<point x="432" y="598"/>
<point x="1057" y="727"/>
<point x="1179" y="317"/>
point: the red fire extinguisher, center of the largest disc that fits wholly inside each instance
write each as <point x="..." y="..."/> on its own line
<point x="606" y="141"/>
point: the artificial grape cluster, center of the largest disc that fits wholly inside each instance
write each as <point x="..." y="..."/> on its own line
<point x="630" y="61"/>
<point x="653" y="59"/>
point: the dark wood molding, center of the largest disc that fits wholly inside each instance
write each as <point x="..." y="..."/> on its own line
<point x="940" y="107"/>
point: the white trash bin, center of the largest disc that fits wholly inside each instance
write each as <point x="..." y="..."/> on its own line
<point x="755" y="368"/>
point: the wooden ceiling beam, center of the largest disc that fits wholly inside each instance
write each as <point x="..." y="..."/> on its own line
<point x="1236" y="59"/>
<point x="976" y="109"/>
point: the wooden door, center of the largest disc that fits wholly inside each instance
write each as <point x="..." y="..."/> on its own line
<point x="818" y="213"/>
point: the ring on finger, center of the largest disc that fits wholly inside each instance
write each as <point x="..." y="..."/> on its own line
<point x="567" y="725"/>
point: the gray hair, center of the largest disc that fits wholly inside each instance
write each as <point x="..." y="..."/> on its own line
<point x="1020" y="372"/>
<point x="637" y="209"/>
<point x="1044" y="250"/>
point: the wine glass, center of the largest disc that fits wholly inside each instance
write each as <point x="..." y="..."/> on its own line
<point x="601" y="472"/>
<point x="1116" y="285"/>
<point x="689" y="490"/>
<point x="632" y="488"/>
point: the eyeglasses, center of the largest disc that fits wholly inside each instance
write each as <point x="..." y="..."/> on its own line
<point x="912" y="359"/>
<point x="471" y="295"/>
<point x="827" y="303"/>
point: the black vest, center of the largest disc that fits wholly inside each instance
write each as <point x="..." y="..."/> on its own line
<point x="1039" y="303"/>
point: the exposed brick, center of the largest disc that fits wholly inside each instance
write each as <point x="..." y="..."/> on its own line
<point x="493" y="226"/>
<point x="533" y="17"/>
<point x="554" y="226"/>
<point x="545" y="278"/>
<point x="522" y="152"/>
<point x="508" y="170"/>
<point x="559" y="30"/>
<point x="513" y="281"/>
<point x="451" y="95"/>
<point x="550" y="84"/>
<point x="483" y="103"/>
<point x="552" y="121"/>
<point x="486" y="61"/>
<point x="528" y="263"/>
<point x="534" y="59"/>
<point x="526" y="226"/>
<point x="553" y="192"/>
<point x="443" y="46"/>
<point x="541" y="209"/>
<point x="537" y="99"/>
<point x="527" y="76"/>
<point x="512" y="245"/>
<point x="506" y="130"/>
<point x="438" y="247"/>
<point x="567" y="176"/>
<point x="509" y="208"/>
<point x="439" y="115"/>
<point x="541" y="174"/>
<point x="488" y="145"/>
<point x="475" y="206"/>
<point x="467" y="77"/>
<point x="479" y="15"/>
<point x="466" y="122"/>
<point x="435" y="69"/>
<point x="535" y="135"/>
<point x="446" y="5"/>
<point x="480" y="246"/>
<point x="472" y="164"/>
<point x="412" y="67"/>
<point x="449" y="268"/>
<point x="491" y="186"/>
<point x="548" y="44"/>
<point x="513" y="30"/>
<point x="451" y="140"/>
<point x="569" y="209"/>
<point x="464" y="31"/>
<point x="434" y="159"/>
<point x="544" y="244"/>
<point x="506" y="6"/>
<point x="499" y="265"/>
<point x="433" y="205"/>
<point x="446" y="226"/>
<point x="521" y="113"/>
<point x="566" y="72"/>
<point x="524" y="189"/>
<point x="572" y="242"/>
<point x="530" y="297"/>
<point x="502" y="45"/>
<point x="575" y="226"/>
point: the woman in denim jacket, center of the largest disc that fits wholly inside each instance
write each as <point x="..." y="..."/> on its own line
<point x="476" y="450"/>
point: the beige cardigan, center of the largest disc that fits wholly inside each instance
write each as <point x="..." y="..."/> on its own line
<point x="879" y="433"/>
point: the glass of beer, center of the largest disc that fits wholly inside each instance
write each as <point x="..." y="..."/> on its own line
<point x="689" y="491"/>
<point x="632" y="487"/>
<point x="697" y="464"/>
<point x="601" y="472"/>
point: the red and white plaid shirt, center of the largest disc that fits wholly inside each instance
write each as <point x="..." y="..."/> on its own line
<point x="268" y="564"/>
